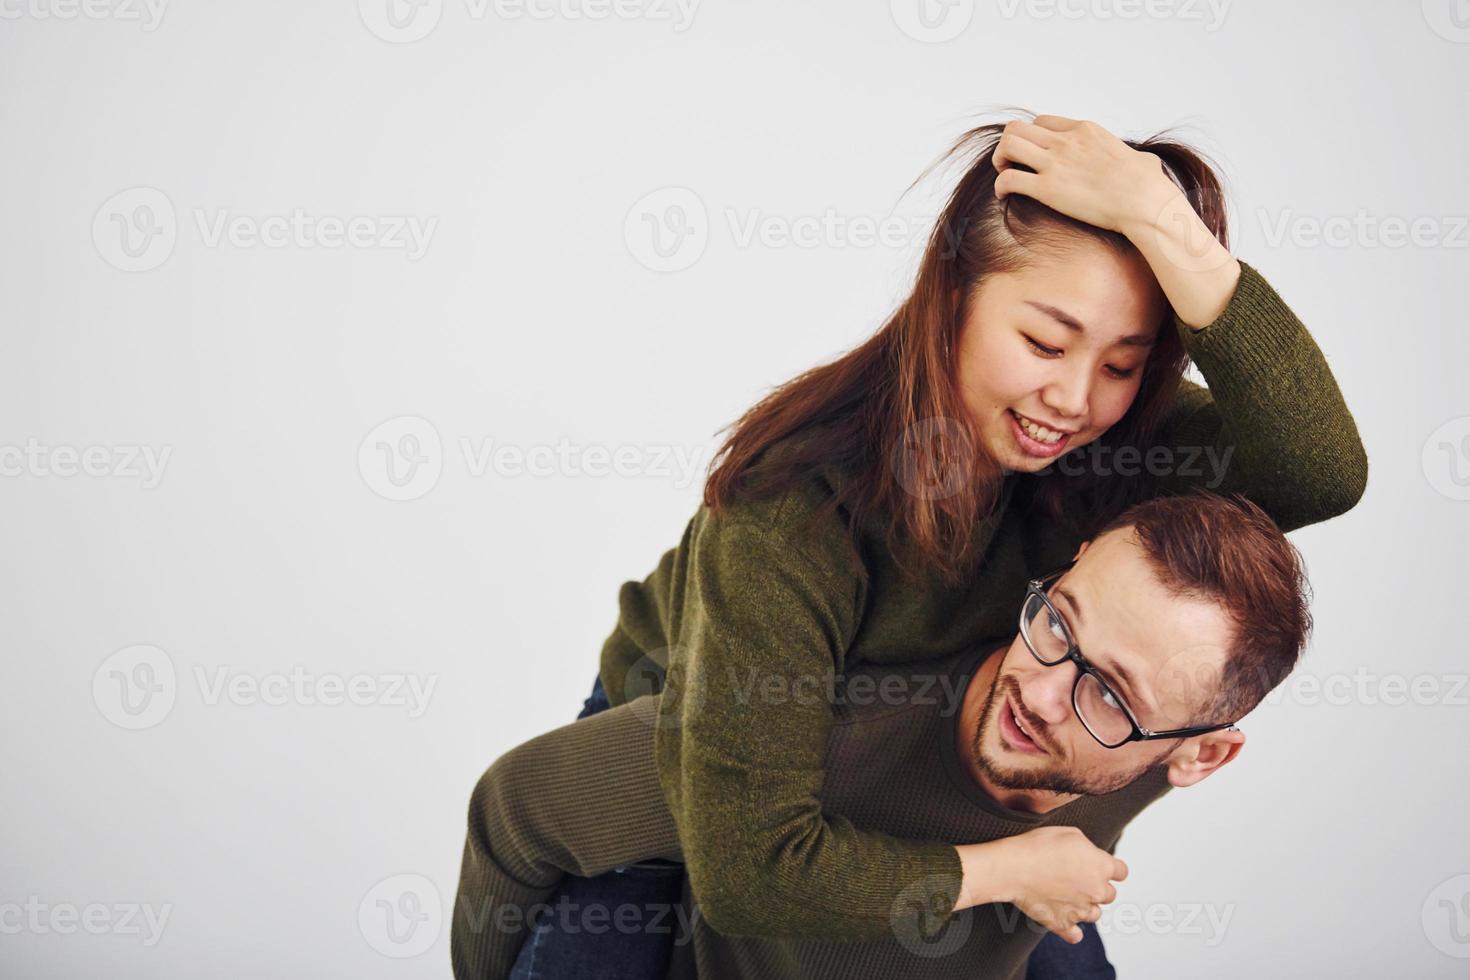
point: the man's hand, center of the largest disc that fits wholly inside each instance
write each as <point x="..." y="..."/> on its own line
<point x="1054" y="874"/>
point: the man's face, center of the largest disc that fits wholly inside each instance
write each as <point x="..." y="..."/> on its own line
<point x="1140" y="637"/>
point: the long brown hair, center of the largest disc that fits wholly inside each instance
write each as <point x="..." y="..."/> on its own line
<point x="895" y="399"/>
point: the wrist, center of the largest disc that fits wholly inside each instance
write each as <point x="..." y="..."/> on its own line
<point x="985" y="874"/>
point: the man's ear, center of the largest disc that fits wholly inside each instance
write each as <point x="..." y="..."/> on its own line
<point x="1202" y="755"/>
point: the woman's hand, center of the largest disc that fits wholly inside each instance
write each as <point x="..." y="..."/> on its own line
<point x="1087" y="173"/>
<point x="1083" y="171"/>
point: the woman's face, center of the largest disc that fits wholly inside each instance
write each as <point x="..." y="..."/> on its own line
<point x="1052" y="355"/>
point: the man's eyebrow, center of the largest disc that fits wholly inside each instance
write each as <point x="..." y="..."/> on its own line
<point x="1130" y="683"/>
<point x="1075" y="325"/>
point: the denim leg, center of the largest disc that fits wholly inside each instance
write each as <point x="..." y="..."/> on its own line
<point x="1056" y="959"/>
<point x="563" y="943"/>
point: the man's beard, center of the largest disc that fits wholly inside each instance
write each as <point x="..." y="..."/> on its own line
<point x="1051" y="779"/>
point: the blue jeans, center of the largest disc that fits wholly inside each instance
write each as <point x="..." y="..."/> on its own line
<point x="554" y="950"/>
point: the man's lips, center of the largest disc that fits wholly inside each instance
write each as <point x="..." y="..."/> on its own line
<point x="1015" y="735"/>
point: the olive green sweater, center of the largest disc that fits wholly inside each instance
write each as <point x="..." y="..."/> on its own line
<point x="585" y="798"/>
<point x="752" y="600"/>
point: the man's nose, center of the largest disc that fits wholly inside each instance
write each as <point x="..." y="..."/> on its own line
<point x="1047" y="692"/>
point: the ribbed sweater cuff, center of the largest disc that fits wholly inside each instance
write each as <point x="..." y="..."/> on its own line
<point x="927" y="898"/>
<point x="1255" y="336"/>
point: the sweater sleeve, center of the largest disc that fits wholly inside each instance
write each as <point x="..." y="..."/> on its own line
<point x="1272" y="424"/>
<point x="741" y="753"/>
<point x="581" y="800"/>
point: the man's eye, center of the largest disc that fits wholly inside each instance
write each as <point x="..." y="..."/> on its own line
<point x="1042" y="349"/>
<point x="1055" y="626"/>
<point x="1111" y="701"/>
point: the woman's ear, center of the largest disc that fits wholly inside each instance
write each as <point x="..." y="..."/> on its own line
<point x="1081" y="548"/>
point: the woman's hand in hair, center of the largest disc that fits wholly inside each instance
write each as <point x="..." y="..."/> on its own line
<point x="1083" y="171"/>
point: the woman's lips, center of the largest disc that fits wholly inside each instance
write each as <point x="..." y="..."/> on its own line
<point x="1035" y="447"/>
<point x="1016" y="738"/>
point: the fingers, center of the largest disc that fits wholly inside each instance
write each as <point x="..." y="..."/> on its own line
<point x="1058" y="123"/>
<point x="1014" y="148"/>
<point x="1120" y="871"/>
<point x="1072" y="934"/>
<point x="1013" y="181"/>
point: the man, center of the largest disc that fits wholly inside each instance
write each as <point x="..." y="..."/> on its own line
<point x="1128" y="670"/>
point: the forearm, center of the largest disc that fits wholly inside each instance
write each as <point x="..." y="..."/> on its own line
<point x="1197" y="274"/>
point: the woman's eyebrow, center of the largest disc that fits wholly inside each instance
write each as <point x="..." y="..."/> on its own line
<point x="1075" y="325"/>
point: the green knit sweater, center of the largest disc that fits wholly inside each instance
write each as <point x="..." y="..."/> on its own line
<point x="753" y="607"/>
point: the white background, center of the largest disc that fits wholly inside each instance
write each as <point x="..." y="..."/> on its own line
<point x="533" y="317"/>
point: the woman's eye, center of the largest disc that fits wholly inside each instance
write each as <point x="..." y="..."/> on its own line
<point x="1120" y="373"/>
<point x="1042" y="348"/>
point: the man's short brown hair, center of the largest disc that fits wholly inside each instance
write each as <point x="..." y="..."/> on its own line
<point x="1226" y="549"/>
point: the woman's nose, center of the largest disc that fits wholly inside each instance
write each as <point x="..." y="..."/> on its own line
<point x="1068" y="392"/>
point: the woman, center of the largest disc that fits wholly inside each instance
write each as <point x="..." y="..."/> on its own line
<point x="891" y="505"/>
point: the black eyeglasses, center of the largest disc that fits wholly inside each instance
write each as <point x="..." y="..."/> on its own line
<point x="1102" y="712"/>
